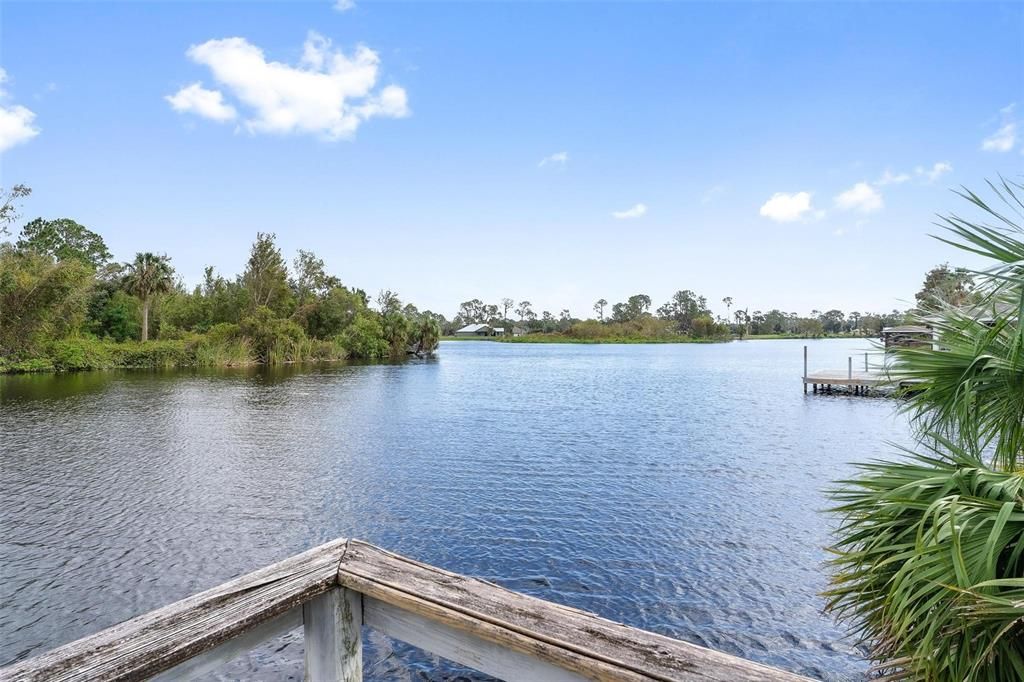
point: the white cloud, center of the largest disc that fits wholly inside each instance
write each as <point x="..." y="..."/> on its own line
<point x="329" y="94"/>
<point x="206" y="103"/>
<point x="344" y="5"/>
<point x="556" y="159"/>
<point x="1005" y="138"/>
<point x="712" y="193"/>
<point x="635" y="212"/>
<point x="861" y="197"/>
<point x="839" y="232"/>
<point x="786" y="208"/>
<point x="1002" y="140"/>
<point x="890" y="178"/>
<point x="16" y="124"/>
<point x="938" y="169"/>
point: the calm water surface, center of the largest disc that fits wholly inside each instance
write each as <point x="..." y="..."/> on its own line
<point x="672" y="487"/>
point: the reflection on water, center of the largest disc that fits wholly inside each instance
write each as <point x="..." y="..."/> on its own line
<point x="675" y="488"/>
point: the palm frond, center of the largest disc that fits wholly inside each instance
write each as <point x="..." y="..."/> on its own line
<point x="929" y="555"/>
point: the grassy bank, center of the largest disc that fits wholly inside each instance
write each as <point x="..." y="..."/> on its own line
<point x="197" y="351"/>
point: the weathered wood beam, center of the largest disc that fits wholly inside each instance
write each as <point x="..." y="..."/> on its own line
<point x="590" y="646"/>
<point x="333" y="628"/>
<point x="212" y="659"/>
<point x="461" y="646"/>
<point x="139" y="648"/>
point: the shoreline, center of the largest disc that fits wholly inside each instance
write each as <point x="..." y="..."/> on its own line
<point x="557" y="339"/>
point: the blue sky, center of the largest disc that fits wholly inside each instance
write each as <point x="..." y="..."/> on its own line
<point x="788" y="155"/>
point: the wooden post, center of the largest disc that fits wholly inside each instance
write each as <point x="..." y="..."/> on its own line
<point x="805" y="370"/>
<point x="865" y="362"/>
<point x="332" y="624"/>
<point x="849" y="367"/>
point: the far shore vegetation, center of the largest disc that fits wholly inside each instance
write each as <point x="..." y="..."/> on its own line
<point x="66" y="305"/>
<point x="687" y="318"/>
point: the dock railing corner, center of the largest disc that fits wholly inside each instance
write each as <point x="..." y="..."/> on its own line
<point x="333" y="590"/>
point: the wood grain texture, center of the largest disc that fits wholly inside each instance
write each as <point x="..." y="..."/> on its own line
<point x="333" y="631"/>
<point x="582" y="642"/>
<point x="461" y="646"/>
<point x="212" y="659"/>
<point x="140" y="648"/>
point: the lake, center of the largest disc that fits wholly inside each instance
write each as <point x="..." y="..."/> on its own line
<point x="676" y="488"/>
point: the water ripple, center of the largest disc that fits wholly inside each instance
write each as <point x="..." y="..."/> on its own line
<point x="675" y="488"/>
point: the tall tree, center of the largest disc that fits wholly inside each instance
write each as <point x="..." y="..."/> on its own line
<point x="311" y="278"/>
<point x="266" y="274"/>
<point x="64" y="239"/>
<point x="599" y="308"/>
<point x="945" y="286"/>
<point x="472" y="311"/>
<point x="728" y="306"/>
<point x="634" y="308"/>
<point x="389" y="303"/>
<point x="147" y="276"/>
<point x="9" y="205"/>
<point x="683" y="308"/>
<point x="40" y="300"/>
<point x="506" y="305"/>
<point x="832" y="321"/>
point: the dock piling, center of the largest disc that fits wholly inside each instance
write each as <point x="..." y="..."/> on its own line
<point x="805" y="372"/>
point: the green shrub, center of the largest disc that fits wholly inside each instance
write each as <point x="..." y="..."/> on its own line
<point x="223" y="332"/>
<point x="274" y="340"/>
<point x="26" y="366"/>
<point x="220" y="351"/>
<point x="114" y="314"/>
<point x="396" y="330"/>
<point x="317" y="350"/>
<point x="80" y="353"/>
<point x="152" y="354"/>
<point x="364" y="338"/>
<point x="168" y="332"/>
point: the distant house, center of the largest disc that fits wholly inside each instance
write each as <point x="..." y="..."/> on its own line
<point x="499" y="331"/>
<point x="518" y="331"/>
<point x="907" y="336"/>
<point x="476" y="330"/>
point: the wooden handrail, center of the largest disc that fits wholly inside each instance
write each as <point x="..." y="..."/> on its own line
<point x="335" y="589"/>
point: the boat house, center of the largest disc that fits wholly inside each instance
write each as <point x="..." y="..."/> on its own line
<point x="478" y="330"/>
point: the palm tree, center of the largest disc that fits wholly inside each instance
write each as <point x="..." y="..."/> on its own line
<point x="147" y="276"/>
<point x="929" y="561"/>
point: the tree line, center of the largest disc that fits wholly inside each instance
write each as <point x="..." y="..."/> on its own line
<point x="65" y="303"/>
<point x="687" y="314"/>
<point x="684" y="314"/>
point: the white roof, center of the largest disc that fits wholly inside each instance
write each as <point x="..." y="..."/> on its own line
<point x="473" y="328"/>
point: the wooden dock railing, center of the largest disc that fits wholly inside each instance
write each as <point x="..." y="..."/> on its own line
<point x="334" y="590"/>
